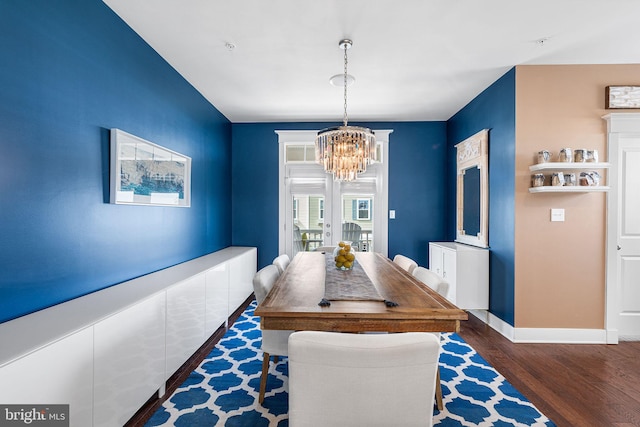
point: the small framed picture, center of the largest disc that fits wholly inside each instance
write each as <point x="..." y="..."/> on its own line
<point x="144" y="173"/>
<point x="622" y="97"/>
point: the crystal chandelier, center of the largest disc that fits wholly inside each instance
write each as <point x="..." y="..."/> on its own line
<point x="345" y="151"/>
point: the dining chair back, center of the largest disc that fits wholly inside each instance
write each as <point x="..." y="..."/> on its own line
<point x="405" y="263"/>
<point x="274" y="342"/>
<point x="282" y="262"/>
<point x="264" y="280"/>
<point x="343" y="379"/>
<point x="432" y="280"/>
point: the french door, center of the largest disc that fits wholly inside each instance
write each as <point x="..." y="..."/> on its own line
<point x="316" y="211"/>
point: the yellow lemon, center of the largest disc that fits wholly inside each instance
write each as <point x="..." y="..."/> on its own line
<point x="347" y="264"/>
<point x="342" y="252"/>
<point x="350" y="257"/>
<point x="338" y="264"/>
<point x="341" y="244"/>
<point x="340" y="258"/>
<point x="347" y="248"/>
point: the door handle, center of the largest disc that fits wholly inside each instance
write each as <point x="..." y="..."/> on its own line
<point x="619" y="247"/>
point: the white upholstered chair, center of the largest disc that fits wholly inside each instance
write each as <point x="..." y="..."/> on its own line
<point x="405" y="263"/>
<point x="432" y="280"/>
<point x="274" y="343"/>
<point x="282" y="262"/>
<point x="441" y="286"/>
<point x="340" y="379"/>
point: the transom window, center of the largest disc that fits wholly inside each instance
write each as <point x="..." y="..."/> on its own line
<point x="306" y="153"/>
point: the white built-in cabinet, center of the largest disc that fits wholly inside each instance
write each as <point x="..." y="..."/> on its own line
<point x="105" y="354"/>
<point x="59" y="373"/>
<point x="466" y="269"/>
<point x="217" y="294"/>
<point x="243" y="279"/>
<point x="185" y="321"/>
<point x="128" y="360"/>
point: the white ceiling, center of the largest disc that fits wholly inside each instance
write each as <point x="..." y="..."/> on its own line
<point x="413" y="60"/>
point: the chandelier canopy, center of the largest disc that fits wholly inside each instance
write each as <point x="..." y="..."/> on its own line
<point x="345" y="151"/>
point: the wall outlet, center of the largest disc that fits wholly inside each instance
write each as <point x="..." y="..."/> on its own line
<point x="557" y="215"/>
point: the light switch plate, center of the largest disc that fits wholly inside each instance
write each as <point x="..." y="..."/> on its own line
<point x="557" y="215"/>
<point x="392" y="214"/>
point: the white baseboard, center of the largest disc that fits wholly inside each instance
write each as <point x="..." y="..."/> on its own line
<point x="544" y="335"/>
<point x="629" y="338"/>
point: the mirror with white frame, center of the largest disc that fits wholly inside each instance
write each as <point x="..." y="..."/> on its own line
<point x="472" y="199"/>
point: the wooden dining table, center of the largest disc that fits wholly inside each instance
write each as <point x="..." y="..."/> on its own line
<point x="294" y="301"/>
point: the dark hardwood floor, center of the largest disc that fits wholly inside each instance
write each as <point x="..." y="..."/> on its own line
<point x="575" y="385"/>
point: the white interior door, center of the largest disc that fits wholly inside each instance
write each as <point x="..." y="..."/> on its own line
<point x="623" y="252"/>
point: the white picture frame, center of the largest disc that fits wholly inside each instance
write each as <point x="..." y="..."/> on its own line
<point x="144" y="173"/>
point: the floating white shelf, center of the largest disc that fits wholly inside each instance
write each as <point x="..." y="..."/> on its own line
<point x="569" y="189"/>
<point x="560" y="166"/>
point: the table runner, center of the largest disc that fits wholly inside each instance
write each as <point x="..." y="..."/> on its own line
<point x="347" y="285"/>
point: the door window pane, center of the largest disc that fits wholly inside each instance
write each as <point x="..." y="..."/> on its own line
<point x="357" y="221"/>
<point x="307" y="222"/>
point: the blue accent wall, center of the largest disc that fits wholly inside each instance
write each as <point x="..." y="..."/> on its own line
<point x="417" y="185"/>
<point x="493" y="109"/>
<point x="71" y="70"/>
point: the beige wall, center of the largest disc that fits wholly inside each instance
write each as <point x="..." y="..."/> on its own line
<point x="560" y="266"/>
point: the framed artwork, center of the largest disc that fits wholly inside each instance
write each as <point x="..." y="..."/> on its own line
<point x="144" y="173"/>
<point x="621" y="97"/>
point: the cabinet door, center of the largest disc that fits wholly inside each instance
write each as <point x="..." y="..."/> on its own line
<point x="241" y="272"/>
<point x="217" y="298"/>
<point x="129" y="360"/>
<point x="449" y="265"/>
<point x="185" y="321"/>
<point x="60" y="373"/>
<point x="435" y="259"/>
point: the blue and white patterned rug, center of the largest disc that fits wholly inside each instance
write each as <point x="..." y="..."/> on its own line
<point x="223" y="390"/>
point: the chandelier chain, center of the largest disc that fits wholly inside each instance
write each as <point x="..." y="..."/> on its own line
<point x="345" y="151"/>
<point x="345" y="118"/>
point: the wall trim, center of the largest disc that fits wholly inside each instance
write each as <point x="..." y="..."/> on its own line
<point x="495" y="322"/>
<point x="542" y="335"/>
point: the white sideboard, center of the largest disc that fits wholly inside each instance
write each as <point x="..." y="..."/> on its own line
<point x="466" y="269"/>
<point x="106" y="353"/>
